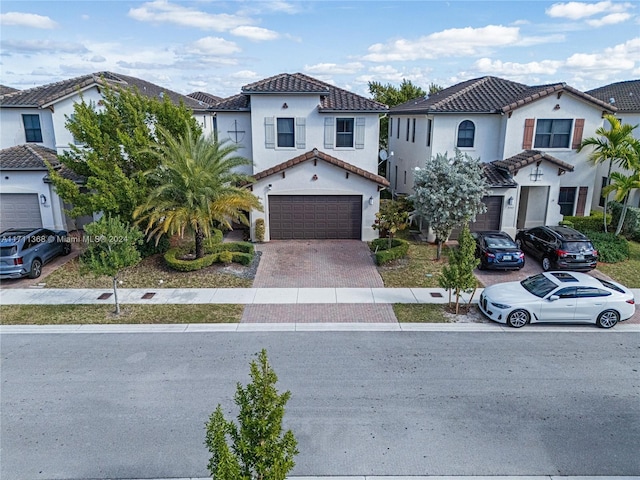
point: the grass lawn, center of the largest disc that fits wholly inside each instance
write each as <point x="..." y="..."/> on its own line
<point x="149" y="273"/>
<point x="420" y="313"/>
<point x="103" y="314"/>
<point x="628" y="272"/>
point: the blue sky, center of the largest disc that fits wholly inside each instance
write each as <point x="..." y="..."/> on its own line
<point x="218" y="46"/>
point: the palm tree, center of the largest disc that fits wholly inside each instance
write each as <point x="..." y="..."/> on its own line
<point x="195" y="186"/>
<point x="622" y="184"/>
<point x="610" y="145"/>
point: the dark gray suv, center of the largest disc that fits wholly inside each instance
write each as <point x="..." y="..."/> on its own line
<point x="559" y="248"/>
<point x="23" y="251"/>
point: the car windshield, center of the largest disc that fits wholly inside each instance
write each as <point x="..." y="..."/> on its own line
<point x="499" y="242"/>
<point x="578" y="246"/>
<point x="538" y="285"/>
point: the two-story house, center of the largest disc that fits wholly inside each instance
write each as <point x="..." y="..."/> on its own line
<point x="625" y="96"/>
<point x="527" y="137"/>
<point x="32" y="130"/>
<point x="314" y="150"/>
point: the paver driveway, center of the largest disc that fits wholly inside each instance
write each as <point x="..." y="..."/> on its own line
<point x="317" y="264"/>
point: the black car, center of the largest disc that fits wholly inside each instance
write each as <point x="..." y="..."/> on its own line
<point x="497" y="251"/>
<point x="559" y="248"/>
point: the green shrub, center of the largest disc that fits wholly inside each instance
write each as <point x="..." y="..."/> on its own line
<point x="631" y="226"/>
<point x="225" y="256"/>
<point x="149" y="247"/>
<point x="244" y="247"/>
<point x="592" y="223"/>
<point x="216" y="237"/>
<point x="172" y="260"/>
<point x="611" y="249"/>
<point x="260" y="230"/>
<point x="238" y="252"/>
<point x="383" y="254"/>
<point x="242" y="258"/>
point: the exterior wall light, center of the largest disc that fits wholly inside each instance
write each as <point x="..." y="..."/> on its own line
<point x="43" y="199"/>
<point x="371" y="200"/>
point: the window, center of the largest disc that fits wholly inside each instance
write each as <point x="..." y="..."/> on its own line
<point x="591" y="292"/>
<point x="552" y="134"/>
<point x="569" y="292"/>
<point x="407" y="129"/>
<point x="398" y="130"/>
<point x="390" y="127"/>
<point x="566" y="200"/>
<point x="344" y="132"/>
<point x="428" y="132"/>
<point x="413" y="131"/>
<point x="405" y="177"/>
<point x="395" y="178"/>
<point x="285" y="132"/>
<point x="466" y="134"/>
<point x="32" y="130"/>
<point x="602" y="186"/>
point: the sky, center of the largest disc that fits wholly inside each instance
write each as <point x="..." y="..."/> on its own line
<point x="219" y="46"/>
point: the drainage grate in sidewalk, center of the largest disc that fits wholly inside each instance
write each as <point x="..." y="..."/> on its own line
<point x="104" y="296"/>
<point x="148" y="295"/>
<point x="435" y="294"/>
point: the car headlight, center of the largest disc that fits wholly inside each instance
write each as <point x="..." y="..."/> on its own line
<point x="501" y="306"/>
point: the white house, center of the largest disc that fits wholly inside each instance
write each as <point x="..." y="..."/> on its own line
<point x="32" y="129"/>
<point x="526" y="136"/>
<point x="625" y="96"/>
<point x="314" y="149"/>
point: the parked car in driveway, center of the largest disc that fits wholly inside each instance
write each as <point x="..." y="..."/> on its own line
<point x="558" y="248"/>
<point x="571" y="297"/>
<point x="23" y="251"/>
<point x="497" y="251"/>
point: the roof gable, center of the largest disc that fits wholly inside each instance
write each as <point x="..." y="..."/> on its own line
<point x="27" y="157"/>
<point x="488" y="95"/>
<point x="527" y="157"/>
<point x="45" y="95"/>
<point x="315" y="154"/>
<point x="204" y="97"/>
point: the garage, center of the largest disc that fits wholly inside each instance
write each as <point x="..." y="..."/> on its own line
<point x="19" y="210"/>
<point x="490" y="220"/>
<point x="306" y="217"/>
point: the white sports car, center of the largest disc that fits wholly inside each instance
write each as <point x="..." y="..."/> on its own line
<point x="570" y="297"/>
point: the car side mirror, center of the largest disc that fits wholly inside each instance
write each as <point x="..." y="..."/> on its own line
<point x="553" y="298"/>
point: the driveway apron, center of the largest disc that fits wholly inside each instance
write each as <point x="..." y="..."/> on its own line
<point x="317" y="264"/>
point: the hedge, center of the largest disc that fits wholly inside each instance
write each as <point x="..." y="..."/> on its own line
<point x="241" y="252"/>
<point x="592" y="223"/>
<point x="611" y="249"/>
<point x="384" y="254"/>
<point x="631" y="226"/>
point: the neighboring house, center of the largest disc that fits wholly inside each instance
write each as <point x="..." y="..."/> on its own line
<point x="4" y="90"/>
<point x="625" y="96"/>
<point x="314" y="150"/>
<point x="527" y="137"/>
<point x="205" y="98"/>
<point x="34" y="120"/>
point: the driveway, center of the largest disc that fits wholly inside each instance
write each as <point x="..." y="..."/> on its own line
<point x="317" y="264"/>
<point x="54" y="264"/>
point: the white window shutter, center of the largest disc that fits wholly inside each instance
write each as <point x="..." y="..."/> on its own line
<point x="269" y="132"/>
<point x="329" y="132"/>
<point x="301" y="132"/>
<point x="360" y="122"/>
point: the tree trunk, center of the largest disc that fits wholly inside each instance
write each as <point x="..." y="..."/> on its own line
<point x="115" y="294"/>
<point x="623" y="214"/>
<point x="606" y="196"/>
<point x="439" y="248"/>
<point x="199" y="242"/>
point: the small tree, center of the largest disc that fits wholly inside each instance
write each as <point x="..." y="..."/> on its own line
<point x="458" y="275"/>
<point x="448" y="193"/>
<point x="112" y="247"/>
<point x="391" y="218"/>
<point x="259" y="450"/>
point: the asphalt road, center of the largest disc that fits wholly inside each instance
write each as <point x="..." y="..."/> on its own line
<point x="363" y="403"/>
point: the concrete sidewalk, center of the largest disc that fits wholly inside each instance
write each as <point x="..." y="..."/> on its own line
<point x="243" y="296"/>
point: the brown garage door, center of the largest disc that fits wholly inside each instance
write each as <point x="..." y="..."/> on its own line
<point x="490" y="220"/>
<point x="315" y="217"/>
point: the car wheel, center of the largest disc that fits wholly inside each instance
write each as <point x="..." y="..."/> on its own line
<point x="518" y="318"/>
<point x="36" y="269"/>
<point x="519" y="243"/>
<point x="66" y="248"/>
<point x="546" y="264"/>
<point x="608" y="319"/>
<point x="481" y="265"/>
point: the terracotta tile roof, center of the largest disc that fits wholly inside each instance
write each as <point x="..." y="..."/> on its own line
<point x="4" y="90"/>
<point x="625" y="96"/>
<point x="317" y="154"/>
<point x="34" y="158"/>
<point x="332" y="98"/>
<point x="527" y="157"/>
<point x="205" y="98"/>
<point x="486" y="95"/>
<point x="496" y="177"/>
<point x="47" y="94"/>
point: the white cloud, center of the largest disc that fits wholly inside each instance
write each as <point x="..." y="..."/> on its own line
<point x="41" y="47"/>
<point x="197" y="83"/>
<point x="530" y="41"/>
<point x="579" y="10"/>
<point x="255" y="33"/>
<point x="214" y="46"/>
<point x="447" y="43"/>
<point x="30" y="20"/>
<point x="514" y="69"/>
<point x="161" y="11"/>
<point x="97" y="59"/>
<point x="619" y="58"/>
<point x="333" y="68"/>
<point x="611" y="19"/>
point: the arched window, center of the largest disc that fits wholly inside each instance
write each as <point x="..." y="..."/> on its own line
<point x="466" y="134"/>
